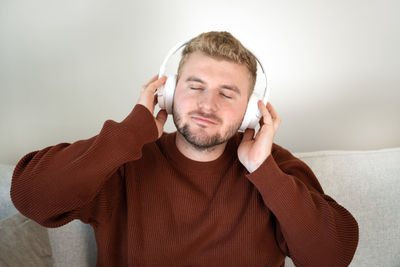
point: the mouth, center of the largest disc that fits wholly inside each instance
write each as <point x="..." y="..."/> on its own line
<point x="203" y="120"/>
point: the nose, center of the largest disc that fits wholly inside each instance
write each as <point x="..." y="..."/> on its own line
<point x="207" y="101"/>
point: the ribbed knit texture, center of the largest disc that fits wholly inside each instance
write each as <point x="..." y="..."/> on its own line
<point x="149" y="205"/>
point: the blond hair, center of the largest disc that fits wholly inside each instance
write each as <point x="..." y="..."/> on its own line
<point x="221" y="45"/>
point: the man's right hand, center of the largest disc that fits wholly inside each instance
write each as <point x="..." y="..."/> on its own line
<point x="149" y="100"/>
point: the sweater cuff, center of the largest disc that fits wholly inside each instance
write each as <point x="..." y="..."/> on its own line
<point x="142" y="122"/>
<point x="270" y="180"/>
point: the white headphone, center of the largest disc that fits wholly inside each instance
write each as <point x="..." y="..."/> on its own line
<point x="165" y="94"/>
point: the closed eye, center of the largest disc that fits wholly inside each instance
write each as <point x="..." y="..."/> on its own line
<point x="199" y="88"/>
<point x="226" y="96"/>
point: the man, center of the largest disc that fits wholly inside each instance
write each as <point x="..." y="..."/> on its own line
<point x="204" y="195"/>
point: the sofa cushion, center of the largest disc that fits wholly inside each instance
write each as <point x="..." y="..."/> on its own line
<point x="6" y="206"/>
<point x="366" y="183"/>
<point x="73" y="244"/>
<point x="24" y="243"/>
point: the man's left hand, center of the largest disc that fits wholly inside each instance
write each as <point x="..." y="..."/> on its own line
<point x="253" y="151"/>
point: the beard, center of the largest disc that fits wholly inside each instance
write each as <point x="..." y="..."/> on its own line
<point x="201" y="140"/>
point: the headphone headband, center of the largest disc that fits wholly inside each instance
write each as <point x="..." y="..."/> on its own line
<point x="175" y="48"/>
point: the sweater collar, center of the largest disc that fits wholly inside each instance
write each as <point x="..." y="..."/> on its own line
<point x="187" y="165"/>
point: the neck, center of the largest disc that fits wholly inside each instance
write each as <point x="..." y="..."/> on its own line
<point x="193" y="153"/>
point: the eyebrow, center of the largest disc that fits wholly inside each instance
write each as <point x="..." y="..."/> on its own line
<point x="229" y="87"/>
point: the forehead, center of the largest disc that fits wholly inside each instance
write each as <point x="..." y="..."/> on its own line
<point x="216" y="71"/>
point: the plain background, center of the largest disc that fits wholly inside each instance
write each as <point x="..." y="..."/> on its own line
<point x="68" y="66"/>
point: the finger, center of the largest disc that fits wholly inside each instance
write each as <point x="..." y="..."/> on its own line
<point x="272" y="111"/>
<point x="162" y="116"/>
<point x="152" y="80"/>
<point x="266" y="119"/>
<point x="152" y="87"/>
<point x="275" y="116"/>
<point x="248" y="134"/>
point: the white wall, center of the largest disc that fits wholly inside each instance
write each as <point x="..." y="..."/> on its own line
<point x="67" y="66"/>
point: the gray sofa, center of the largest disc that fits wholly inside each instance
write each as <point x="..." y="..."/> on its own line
<point x="367" y="183"/>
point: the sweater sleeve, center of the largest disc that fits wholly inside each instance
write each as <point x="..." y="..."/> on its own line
<point x="60" y="183"/>
<point x="312" y="229"/>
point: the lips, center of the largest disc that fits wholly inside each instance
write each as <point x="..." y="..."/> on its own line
<point x="203" y="120"/>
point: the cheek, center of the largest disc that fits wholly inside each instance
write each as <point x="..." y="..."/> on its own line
<point x="236" y="110"/>
<point x="182" y="102"/>
<point x="232" y="115"/>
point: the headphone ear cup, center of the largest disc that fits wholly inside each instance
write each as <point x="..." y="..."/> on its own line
<point x="170" y="85"/>
<point x="252" y="115"/>
<point x="165" y="94"/>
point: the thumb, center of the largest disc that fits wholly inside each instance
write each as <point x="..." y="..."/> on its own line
<point x="248" y="135"/>
<point x="161" y="117"/>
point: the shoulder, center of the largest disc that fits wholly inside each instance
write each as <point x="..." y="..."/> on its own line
<point x="281" y="153"/>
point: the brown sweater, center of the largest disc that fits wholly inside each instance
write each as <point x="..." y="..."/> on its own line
<point x="149" y="205"/>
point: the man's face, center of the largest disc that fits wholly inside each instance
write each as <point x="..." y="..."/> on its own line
<point x="210" y="100"/>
